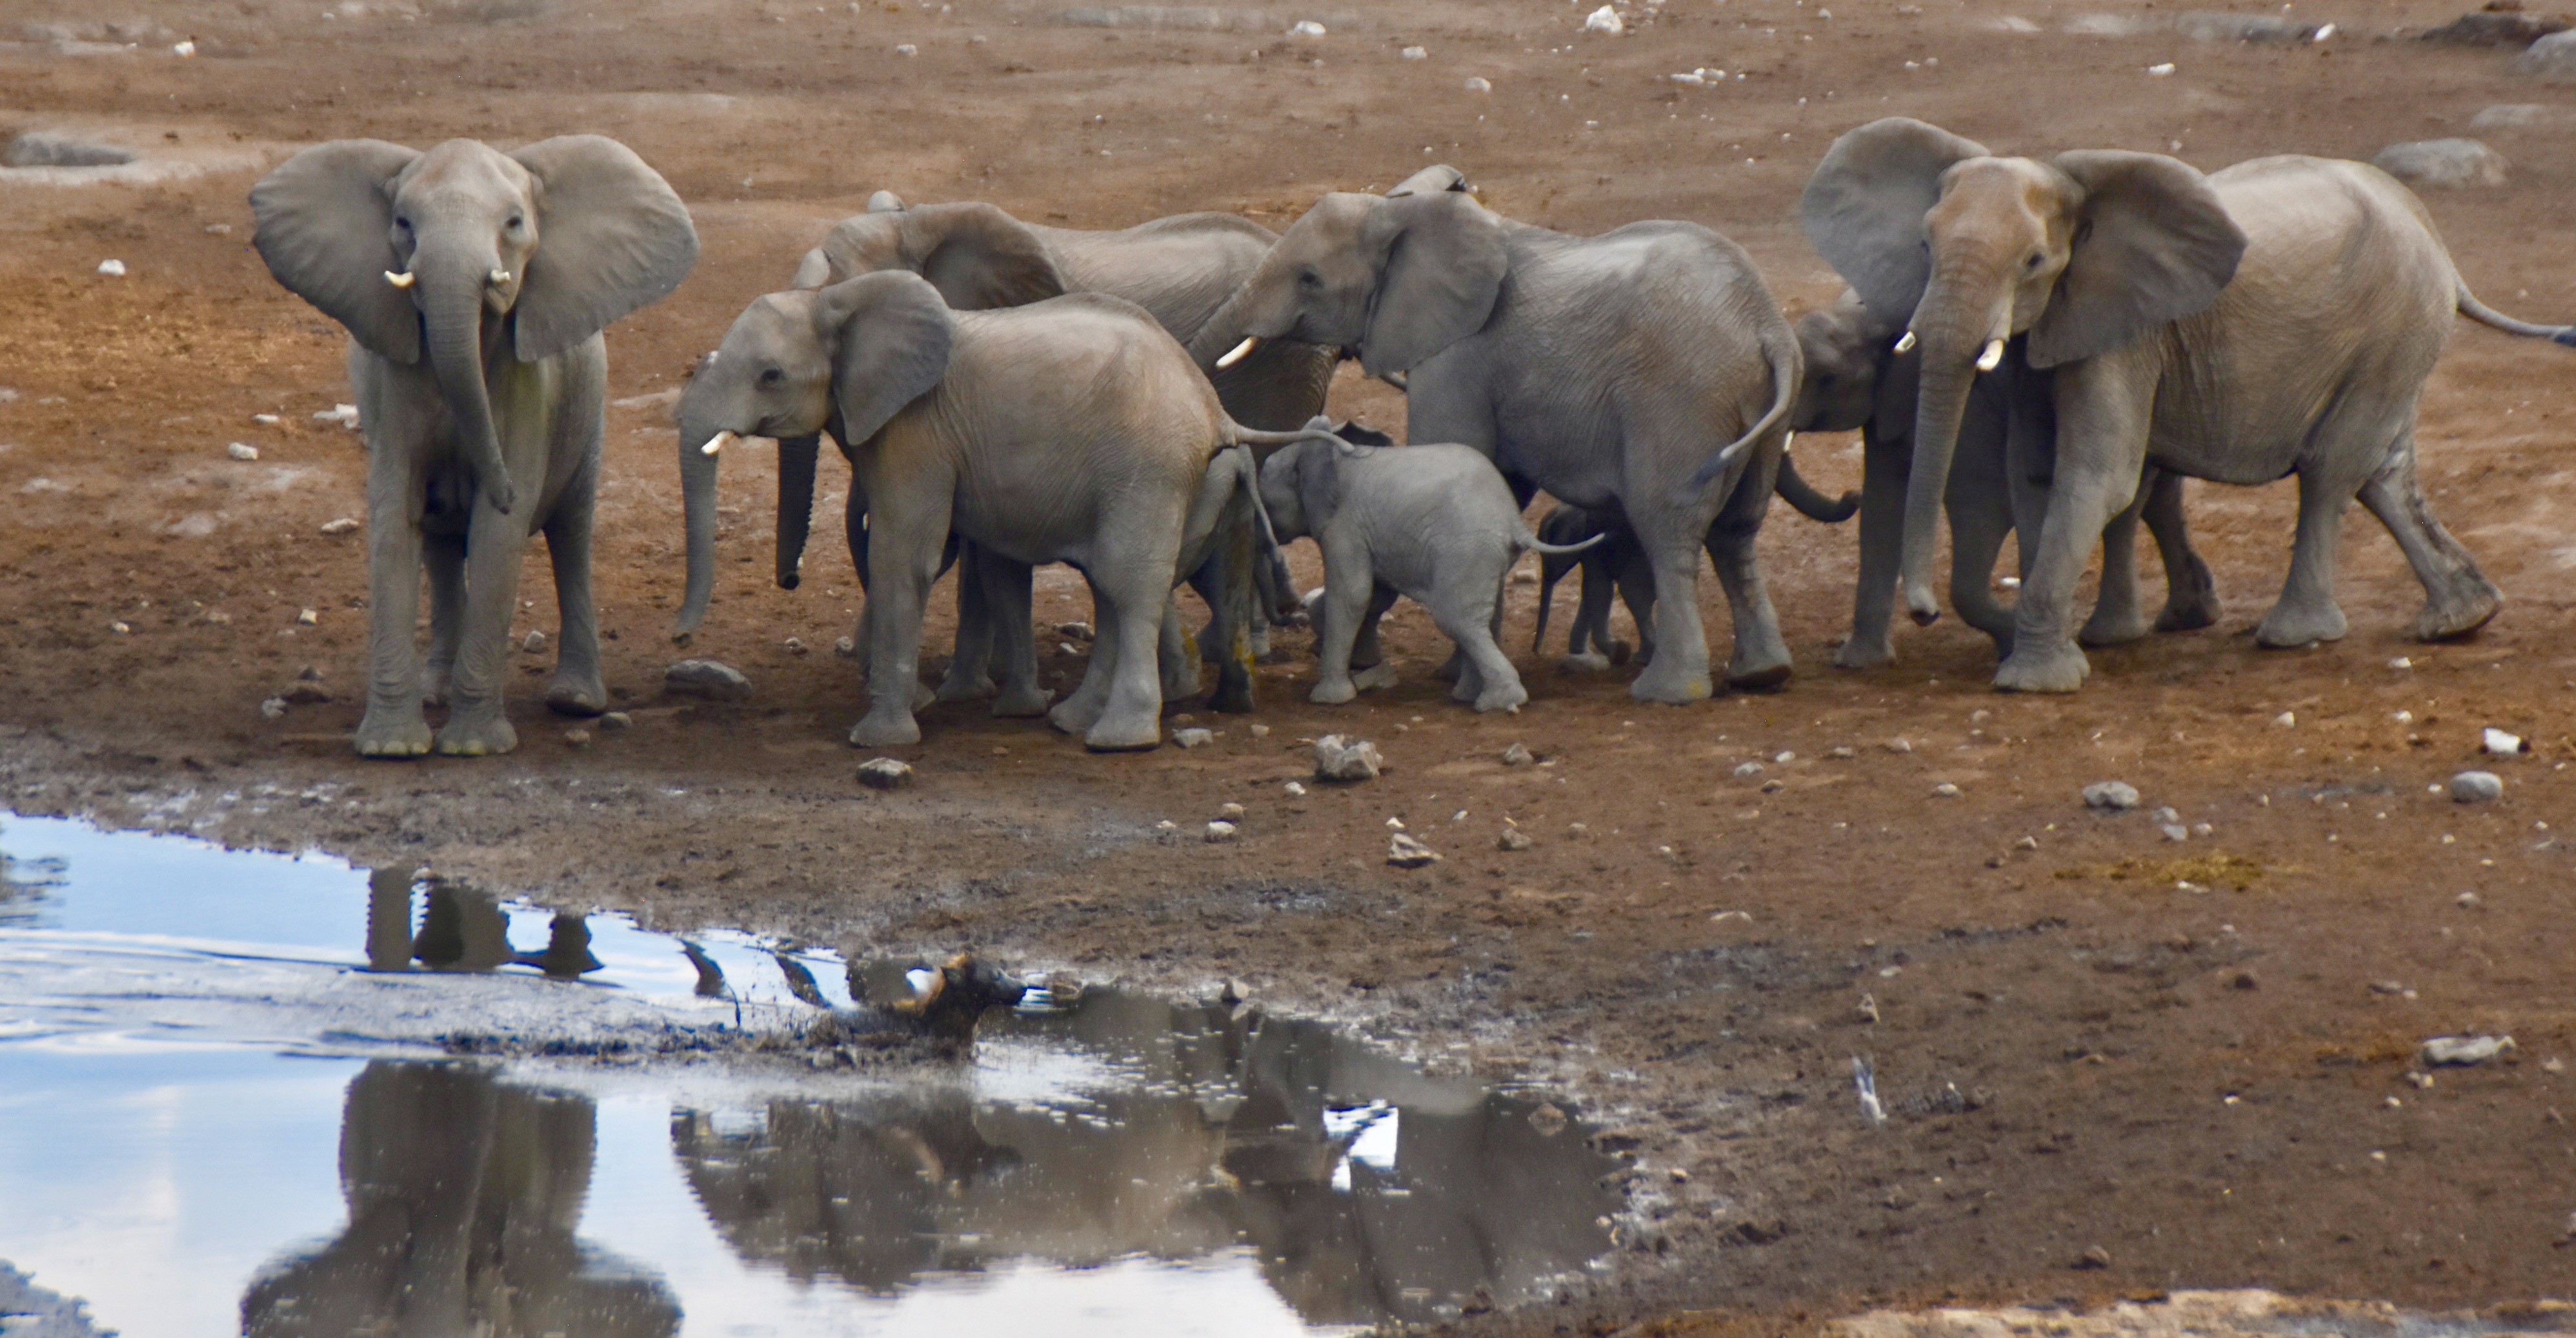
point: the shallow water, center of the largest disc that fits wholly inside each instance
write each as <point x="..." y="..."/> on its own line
<point x="225" y="1106"/>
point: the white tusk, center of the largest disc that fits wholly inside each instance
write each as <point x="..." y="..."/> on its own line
<point x="1992" y="357"/>
<point x="402" y="280"/>
<point x="717" y="443"/>
<point x="1905" y="344"/>
<point x="500" y="276"/>
<point x="1239" y="352"/>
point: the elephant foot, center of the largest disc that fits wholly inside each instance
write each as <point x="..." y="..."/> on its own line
<point x="2460" y="615"/>
<point x="1333" y="692"/>
<point x="2190" y="610"/>
<point x="1645" y="654"/>
<point x="1589" y="662"/>
<point x="1452" y="667"/>
<point x="876" y="730"/>
<point x="433" y="685"/>
<point x="2109" y="628"/>
<point x="1378" y="675"/>
<point x="1676" y="686"/>
<point x="1856" y="653"/>
<point x="1115" y="735"/>
<point x="1760" y="666"/>
<point x="1181" y="677"/>
<point x="964" y="688"/>
<point x="393" y="735"/>
<point x="2030" y="670"/>
<point x="1074" y="715"/>
<point x="1260" y="638"/>
<point x="1233" y="695"/>
<point x="922" y="696"/>
<point x="1502" y="697"/>
<point x="1021" y="701"/>
<point x="1620" y="652"/>
<point x="577" y="695"/>
<point x="2287" y="628"/>
<point x="476" y="736"/>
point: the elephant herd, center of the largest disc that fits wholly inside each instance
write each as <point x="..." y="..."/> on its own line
<point x="2041" y="347"/>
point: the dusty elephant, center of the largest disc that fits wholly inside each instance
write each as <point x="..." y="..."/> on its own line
<point x="474" y="285"/>
<point x="2276" y="317"/>
<point x="1647" y="366"/>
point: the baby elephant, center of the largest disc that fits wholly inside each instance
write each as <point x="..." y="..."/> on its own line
<point x="1436" y="523"/>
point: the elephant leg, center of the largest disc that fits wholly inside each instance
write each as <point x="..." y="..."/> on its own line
<point x="2306" y="612"/>
<point x="1350" y="595"/>
<point x="1077" y="713"/>
<point x="968" y="677"/>
<point x="1760" y="661"/>
<point x="1990" y="489"/>
<point x="444" y="556"/>
<point x="1013" y="637"/>
<point x="2119" y="617"/>
<point x="577" y="689"/>
<point x="494" y="547"/>
<point x="1882" y="540"/>
<point x="1636" y="583"/>
<point x="2191" y="594"/>
<point x="1176" y="653"/>
<point x="1369" y="667"/>
<point x="2101" y="453"/>
<point x="393" y="725"/>
<point x="1228" y="580"/>
<point x="1587" y="646"/>
<point x="903" y="561"/>
<point x="1132" y="717"/>
<point x="1468" y="613"/>
<point x="2458" y="598"/>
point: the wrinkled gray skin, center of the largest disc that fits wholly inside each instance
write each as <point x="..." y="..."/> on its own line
<point x="1072" y="430"/>
<point x="1855" y="380"/>
<point x="1180" y="269"/>
<point x="1435" y="523"/>
<point x="1647" y="367"/>
<point x="480" y="384"/>
<point x="2278" y="317"/>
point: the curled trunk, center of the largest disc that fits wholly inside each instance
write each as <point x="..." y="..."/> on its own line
<point x="796" y="459"/>
<point x="698" y="505"/>
<point x="453" y="318"/>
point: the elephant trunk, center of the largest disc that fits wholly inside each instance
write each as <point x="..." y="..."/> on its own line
<point x="796" y="459"/>
<point x="452" y="315"/>
<point x="1962" y="313"/>
<point x="1247" y="313"/>
<point x="698" y="505"/>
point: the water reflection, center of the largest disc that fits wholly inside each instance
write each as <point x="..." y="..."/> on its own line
<point x="463" y="929"/>
<point x="462" y="1196"/>
<point x="1366" y="1190"/>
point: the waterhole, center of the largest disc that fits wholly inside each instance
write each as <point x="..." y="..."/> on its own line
<point x="231" y="1099"/>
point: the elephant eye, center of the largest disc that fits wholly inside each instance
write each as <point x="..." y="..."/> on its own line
<point x="1307" y="278"/>
<point x="2036" y="259"/>
<point x="517" y="222"/>
<point x="770" y="376"/>
<point x="402" y="223"/>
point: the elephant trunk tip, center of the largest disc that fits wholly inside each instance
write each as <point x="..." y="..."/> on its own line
<point x="1920" y="605"/>
<point x="789" y="580"/>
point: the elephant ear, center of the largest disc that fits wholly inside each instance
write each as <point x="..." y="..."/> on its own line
<point x="892" y="336"/>
<point x="1863" y="209"/>
<point x="326" y="221"/>
<point x="1440" y="264"/>
<point x="978" y="257"/>
<point x="1431" y="181"/>
<point x="813" y="271"/>
<point x="2152" y="244"/>
<point x="612" y="236"/>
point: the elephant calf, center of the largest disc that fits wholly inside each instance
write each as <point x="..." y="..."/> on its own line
<point x="1436" y="523"/>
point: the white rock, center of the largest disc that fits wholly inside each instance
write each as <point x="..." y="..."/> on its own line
<point x="2552" y="58"/>
<point x="845" y="647"/>
<point x="1513" y="838"/>
<point x="533" y="642"/>
<point x="1194" y="737"/>
<point x="273" y="709"/>
<point x="2175" y="831"/>
<point x="2464" y="1050"/>
<point x="2471" y="787"/>
<point x="1518" y="755"/>
<point x="307" y="618"/>
<point x="1478" y="83"/>
<point x="1900" y="745"/>
<point x="1220" y="832"/>
<point x="1945" y="790"/>
<point x="2286" y="719"/>
<point x="242" y="450"/>
<point x="1305" y="28"/>
<point x="2111" y="794"/>
<point x="793" y="645"/>
<point x="1412" y="53"/>
<point x="119" y="628"/>
<point x="343" y="525"/>
<point x="2401" y="662"/>
<point x="2162" y="816"/>
<point x="264" y="419"/>
<point x="1404" y="852"/>
<point x="1293" y="790"/>
<point x="114" y="269"/>
<point x="712" y="679"/>
<point x="2501" y="744"/>
<point x="1340" y="759"/>
<point x="1604" y="20"/>
<point x="346" y="415"/>
<point x="2160" y="71"/>
<point x="1748" y="769"/>
<point x="1074" y="631"/>
<point x="2449" y="164"/>
<point x="183" y="50"/>
<point x="884" y="773"/>
<point x="1257" y="730"/>
<point x="907" y="49"/>
<point x="1230" y="812"/>
<point x="2323" y="33"/>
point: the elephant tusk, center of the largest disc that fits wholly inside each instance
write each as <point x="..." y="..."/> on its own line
<point x="1239" y="352"/>
<point x="499" y="277"/>
<point x="1992" y="357"/>
<point x="717" y="443"/>
<point x="402" y="280"/>
<point x="1905" y="343"/>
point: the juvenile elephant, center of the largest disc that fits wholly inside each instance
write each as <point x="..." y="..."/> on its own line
<point x="501" y="269"/>
<point x="1646" y="367"/>
<point x="1856" y="380"/>
<point x="1435" y="523"/>
<point x="2277" y="317"/>
<point x="1072" y="430"/>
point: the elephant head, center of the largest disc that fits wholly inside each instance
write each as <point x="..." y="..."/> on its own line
<point x="1396" y="278"/>
<point x="977" y="256"/>
<point x="1847" y="373"/>
<point x="463" y="250"/>
<point x="1966" y="251"/>
<point x="847" y="357"/>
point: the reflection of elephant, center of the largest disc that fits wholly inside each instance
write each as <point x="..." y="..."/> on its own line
<point x="1647" y="367"/>
<point x="1073" y="430"/>
<point x="2278" y="317"/>
<point x="1431" y="521"/>
<point x="1856" y="380"/>
<point x="459" y="253"/>
<point x="462" y="1196"/>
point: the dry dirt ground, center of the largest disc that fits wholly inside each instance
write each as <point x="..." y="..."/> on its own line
<point x="2204" y="1086"/>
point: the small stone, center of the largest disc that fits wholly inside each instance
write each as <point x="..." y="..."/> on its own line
<point x="907" y="49"/>
<point x="2389" y="987"/>
<point x="1074" y="631"/>
<point x="1479" y="84"/>
<point x="242" y="450"/>
<point x="1395" y="824"/>
<point x="1340" y="759"/>
<point x="1167" y="825"/>
<point x="265" y="419"/>
<point x="1513" y="838"/>
<point x="2462" y="1051"/>
<point x="1305" y="28"/>
<point x="1900" y="745"/>
<point x="1220" y="832"/>
<point x="2164" y="816"/>
<point x="304" y="692"/>
<point x="845" y="647"/>
<point x="2500" y="744"/>
<point x="1518" y="755"/>
<point x="308" y="674"/>
<point x="1748" y="769"/>
<point x="1193" y="738"/>
<point x="114" y="269"/>
<point x="346" y="415"/>
<point x="616" y="720"/>
<point x="273" y="709"/>
<point x="1604" y="20"/>
<point x="886" y="773"/>
<point x="2160" y="70"/>
<point x="2202" y="829"/>
<point x="578" y="738"/>
<point x="1293" y="790"/>
<point x="1869" y="1008"/>
<point x="1785" y="759"/>
<point x="2286" y="719"/>
<point x="2027" y="843"/>
<point x="2245" y="981"/>
<point x="343" y="525"/>
<point x="1258" y="731"/>
<point x="793" y="645"/>
<point x="2096" y="1257"/>
<point x="1842" y="752"/>
<point x="533" y="642"/>
<point x="1945" y="790"/>
<point x="2471" y="787"/>
<point x="1547" y="1120"/>
<point x="2551" y="59"/>
<point x="307" y="617"/>
<point x="2467" y="900"/>
<point x="1404" y="852"/>
<point x="712" y="679"/>
<point x="2117" y="796"/>
<point x="1413" y="53"/>
<point x="119" y="628"/>
<point x="2443" y="164"/>
<point x="2401" y="662"/>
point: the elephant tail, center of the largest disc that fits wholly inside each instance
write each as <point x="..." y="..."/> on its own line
<point x="1780" y="348"/>
<point x="1532" y="543"/>
<point x="1236" y="434"/>
<point x="1810" y="502"/>
<point x="2493" y="319"/>
<point x="1265" y="536"/>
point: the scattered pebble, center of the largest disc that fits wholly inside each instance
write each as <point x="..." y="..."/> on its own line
<point x="711" y="679"/>
<point x="1193" y="738"/>
<point x="907" y="49"/>
<point x="2159" y="71"/>
<point x="2027" y="843"/>
<point x="2442" y="163"/>
<point x="343" y="525"/>
<point x="2286" y="719"/>
<point x="2470" y="787"/>
<point x="1604" y="20"/>
<point x="119" y="628"/>
<point x="264" y="419"/>
<point x="114" y="269"/>
<point x="793" y="645"/>
<point x="346" y="415"/>
<point x="1306" y="28"/>
<point x="1220" y="831"/>
<point x="1231" y="812"/>
<point x="2467" y="900"/>
<point x="242" y="450"/>
<point x="1412" y="53"/>
<point x="1518" y="755"/>
<point x="578" y="738"/>
<point x="886" y="773"/>
<point x="616" y="720"/>
<point x="2501" y="744"/>
<point x="307" y="617"/>
<point x="1868" y="1008"/>
<point x="2462" y="1051"/>
<point x="1340" y="759"/>
<point x="533" y="642"/>
<point x="1945" y="790"/>
<point x="845" y="647"/>
<point x="2095" y="1257"/>
<point x="1842" y="752"/>
<point x="273" y="709"/>
<point x="1404" y="852"/>
<point x="1074" y="631"/>
<point x="1785" y="759"/>
<point x="1258" y="731"/>
<point x="1513" y="838"/>
<point x="1900" y="745"/>
<point x="1547" y="1120"/>
<point x="1294" y="790"/>
<point x="2401" y="662"/>
<point x="1774" y="786"/>
<point x="1748" y="769"/>
<point x="2175" y="831"/>
<point x="1479" y="84"/>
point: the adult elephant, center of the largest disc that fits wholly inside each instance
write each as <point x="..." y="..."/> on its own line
<point x="1646" y="368"/>
<point x="2276" y="317"/>
<point x="1857" y="381"/>
<point x="474" y="285"/>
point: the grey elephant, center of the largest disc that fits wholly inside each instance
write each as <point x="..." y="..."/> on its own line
<point x="1071" y="430"/>
<point x="2277" y="317"/>
<point x="474" y="285"/>
<point x="1856" y="380"/>
<point x="1432" y="522"/>
<point x="1646" y="367"/>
